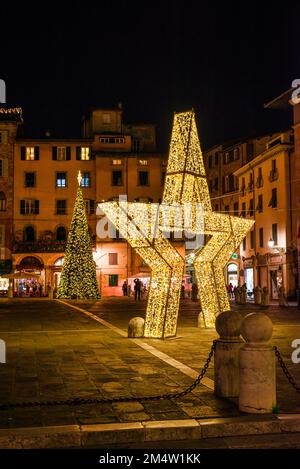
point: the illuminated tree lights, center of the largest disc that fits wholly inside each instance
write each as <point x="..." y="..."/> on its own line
<point x="78" y="277"/>
<point x="185" y="184"/>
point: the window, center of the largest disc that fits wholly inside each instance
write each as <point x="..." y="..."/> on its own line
<point x="216" y="184"/>
<point x="251" y="208"/>
<point x="244" y="244"/>
<point x="112" y="139"/>
<point x="216" y="158"/>
<point x="216" y="207"/>
<point x="30" y="153"/>
<point x="117" y="162"/>
<point x="3" y="137"/>
<point x="61" y="233"/>
<point x="273" y="200"/>
<point x="243" y="212"/>
<point x="113" y="258"/>
<point x="275" y="233"/>
<point x="259" y="182"/>
<point x="143" y="178"/>
<point x="106" y="118"/>
<point x="250" y="186"/>
<point x="236" y="209"/>
<point x="3" y="167"/>
<point x="2" y="202"/>
<point x="61" y="207"/>
<point x="236" y="154"/>
<point x="227" y="208"/>
<point x="259" y="207"/>
<point x="89" y="206"/>
<point x="29" y="234"/>
<point x="210" y="161"/>
<point x="86" y="180"/>
<point x="261" y="237"/>
<point x="2" y="235"/>
<point x="29" y="179"/>
<point x="61" y="153"/>
<point x="211" y="185"/>
<point x="117" y="178"/>
<point x="243" y="186"/>
<point x="135" y="145"/>
<point x="83" y="153"/>
<point x="143" y="162"/>
<point x="252" y="239"/>
<point x="113" y="280"/>
<point x="29" y="207"/>
<point x="61" y="179"/>
<point x="274" y="172"/>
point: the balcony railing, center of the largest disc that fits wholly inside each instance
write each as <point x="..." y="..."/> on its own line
<point x="39" y="246"/>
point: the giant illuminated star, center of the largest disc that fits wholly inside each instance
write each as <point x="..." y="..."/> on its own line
<point x="143" y="225"/>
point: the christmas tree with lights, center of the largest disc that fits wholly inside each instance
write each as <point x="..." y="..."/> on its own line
<point x="78" y="277"/>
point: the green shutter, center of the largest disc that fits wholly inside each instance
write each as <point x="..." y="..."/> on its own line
<point x="68" y="153"/>
<point x="23" y="153"/>
<point x="54" y="153"/>
<point x="22" y="207"/>
<point x="36" y="153"/>
<point x="36" y="207"/>
<point x="78" y="153"/>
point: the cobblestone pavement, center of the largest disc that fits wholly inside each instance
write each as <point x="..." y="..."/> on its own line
<point x="56" y="352"/>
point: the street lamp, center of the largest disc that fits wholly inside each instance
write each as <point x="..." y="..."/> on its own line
<point x="271" y="243"/>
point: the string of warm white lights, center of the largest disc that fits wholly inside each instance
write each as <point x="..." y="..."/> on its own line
<point x="185" y="184"/>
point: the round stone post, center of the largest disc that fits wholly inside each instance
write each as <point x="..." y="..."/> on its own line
<point x="228" y="326"/>
<point x="257" y="365"/>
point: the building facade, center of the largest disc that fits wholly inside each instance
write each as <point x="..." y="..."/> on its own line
<point x="10" y="119"/>
<point x="115" y="159"/>
<point x="268" y="254"/>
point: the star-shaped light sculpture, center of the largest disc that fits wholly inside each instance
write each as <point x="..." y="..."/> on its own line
<point x="143" y="226"/>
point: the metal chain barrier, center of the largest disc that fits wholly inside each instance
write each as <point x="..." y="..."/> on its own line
<point x="285" y="370"/>
<point x="80" y="401"/>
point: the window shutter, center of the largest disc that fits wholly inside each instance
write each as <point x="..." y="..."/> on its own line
<point x="92" y="207"/>
<point x="92" y="155"/>
<point x="68" y="153"/>
<point x="36" y="207"/>
<point x="22" y="207"/>
<point x="78" y="153"/>
<point x="36" y="153"/>
<point x="23" y="153"/>
<point x="54" y="153"/>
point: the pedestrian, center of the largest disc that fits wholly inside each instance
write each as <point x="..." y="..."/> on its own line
<point x="182" y="291"/>
<point x="124" y="288"/>
<point x="137" y="289"/>
<point x="230" y="290"/>
<point x="129" y="290"/>
<point x="194" y="291"/>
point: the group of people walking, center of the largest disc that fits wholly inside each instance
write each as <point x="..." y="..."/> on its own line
<point x="139" y="289"/>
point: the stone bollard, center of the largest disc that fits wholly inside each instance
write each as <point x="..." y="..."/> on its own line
<point x="257" y="365"/>
<point x="136" y="327"/>
<point x="228" y="326"/>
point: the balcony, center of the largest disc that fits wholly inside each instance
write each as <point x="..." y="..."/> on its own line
<point x="39" y="246"/>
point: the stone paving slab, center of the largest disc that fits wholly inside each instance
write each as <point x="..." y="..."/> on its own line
<point x="247" y="432"/>
<point x="55" y="352"/>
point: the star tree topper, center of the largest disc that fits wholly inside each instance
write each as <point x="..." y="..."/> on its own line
<point x="185" y="184"/>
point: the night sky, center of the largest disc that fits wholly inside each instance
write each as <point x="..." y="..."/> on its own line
<point x="156" y="58"/>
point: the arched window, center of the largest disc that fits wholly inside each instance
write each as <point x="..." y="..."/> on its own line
<point x="2" y="202"/>
<point x="59" y="262"/>
<point x="61" y="233"/>
<point x="29" y="234"/>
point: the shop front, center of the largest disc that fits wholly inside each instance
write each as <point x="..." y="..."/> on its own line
<point x="30" y="281"/>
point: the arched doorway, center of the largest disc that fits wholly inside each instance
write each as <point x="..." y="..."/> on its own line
<point x="232" y="274"/>
<point x="32" y="284"/>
